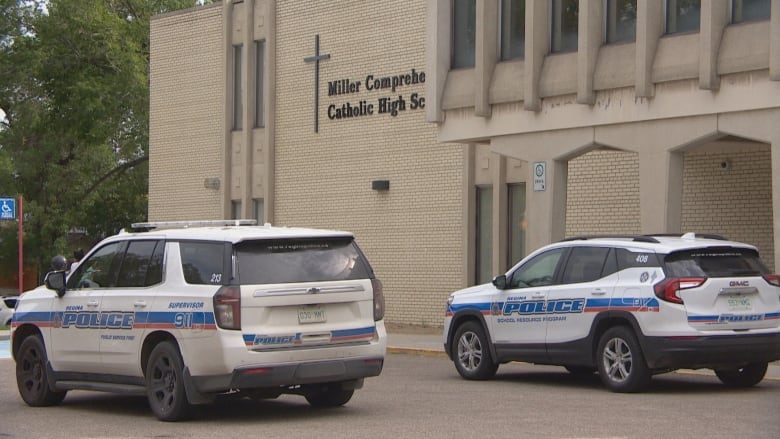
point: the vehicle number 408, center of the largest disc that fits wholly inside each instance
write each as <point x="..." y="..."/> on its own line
<point x="642" y="259"/>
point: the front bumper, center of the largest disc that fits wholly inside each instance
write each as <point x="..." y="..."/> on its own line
<point x="711" y="352"/>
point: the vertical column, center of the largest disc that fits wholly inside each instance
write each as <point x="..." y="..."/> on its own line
<point x="774" y="46"/>
<point x="469" y="217"/>
<point x="270" y="125"/>
<point x="590" y="32"/>
<point x="714" y="17"/>
<point x="649" y="27"/>
<point x="486" y="54"/>
<point x="660" y="190"/>
<point x="546" y="210"/>
<point x="437" y="56"/>
<point x="227" y="174"/>
<point x="537" y="45"/>
<point x="249" y="66"/>
<point x="500" y="216"/>
<point x="775" y="151"/>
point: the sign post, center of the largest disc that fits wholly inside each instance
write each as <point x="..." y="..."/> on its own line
<point x="8" y="212"/>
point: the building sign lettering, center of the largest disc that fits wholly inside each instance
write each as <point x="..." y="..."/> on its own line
<point x="389" y="104"/>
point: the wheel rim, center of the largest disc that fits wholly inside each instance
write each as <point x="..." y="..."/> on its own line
<point x="469" y="351"/>
<point x="163" y="383"/>
<point x="31" y="377"/>
<point x="617" y="359"/>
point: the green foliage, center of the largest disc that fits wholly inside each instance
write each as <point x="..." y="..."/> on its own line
<point x="74" y="88"/>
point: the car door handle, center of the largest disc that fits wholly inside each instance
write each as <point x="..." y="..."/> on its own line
<point x="93" y="303"/>
<point x="139" y="304"/>
<point x="537" y="295"/>
<point x="598" y="293"/>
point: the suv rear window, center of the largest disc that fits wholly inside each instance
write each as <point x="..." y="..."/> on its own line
<point x="714" y="262"/>
<point x="299" y="260"/>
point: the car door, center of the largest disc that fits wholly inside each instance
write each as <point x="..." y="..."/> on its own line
<point x="125" y="308"/>
<point x="587" y="283"/>
<point x="517" y="317"/>
<point x="75" y="332"/>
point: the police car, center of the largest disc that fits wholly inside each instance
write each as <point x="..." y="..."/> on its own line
<point x="625" y="307"/>
<point x="182" y="312"/>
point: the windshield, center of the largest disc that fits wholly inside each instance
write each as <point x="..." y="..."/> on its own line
<point x="714" y="262"/>
<point x="300" y="260"/>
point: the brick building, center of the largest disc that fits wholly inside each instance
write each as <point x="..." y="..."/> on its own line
<point x="433" y="117"/>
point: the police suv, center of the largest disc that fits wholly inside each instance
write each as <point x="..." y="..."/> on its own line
<point x="181" y="312"/>
<point x="625" y="307"/>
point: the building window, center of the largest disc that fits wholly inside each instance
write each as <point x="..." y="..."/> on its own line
<point x="235" y="209"/>
<point x="238" y="90"/>
<point x="564" y="24"/>
<point x="682" y="16"/>
<point x="484" y="244"/>
<point x="621" y="21"/>
<point x="259" y="210"/>
<point x="260" y="84"/>
<point x="464" y="33"/>
<point x="517" y="224"/>
<point x="512" y="29"/>
<point x="750" y="10"/>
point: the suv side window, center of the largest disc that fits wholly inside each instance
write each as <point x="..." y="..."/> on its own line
<point x="138" y="263"/>
<point x="629" y="259"/>
<point x="202" y="262"/>
<point x="584" y="264"/>
<point x="99" y="270"/>
<point x="539" y="271"/>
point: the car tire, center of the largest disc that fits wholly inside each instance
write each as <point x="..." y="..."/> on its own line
<point x="621" y="364"/>
<point x="165" y="383"/>
<point x="32" y="374"/>
<point x="472" y="353"/>
<point x="329" y="395"/>
<point x="747" y="376"/>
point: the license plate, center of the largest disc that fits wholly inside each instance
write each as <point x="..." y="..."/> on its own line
<point x="739" y="303"/>
<point x="311" y="314"/>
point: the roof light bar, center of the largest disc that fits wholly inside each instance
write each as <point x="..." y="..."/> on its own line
<point x="187" y="224"/>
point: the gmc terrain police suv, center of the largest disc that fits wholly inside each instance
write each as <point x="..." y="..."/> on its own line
<point x="182" y="312"/>
<point x="625" y="307"/>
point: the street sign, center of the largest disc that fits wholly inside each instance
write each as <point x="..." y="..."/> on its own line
<point x="7" y="208"/>
<point x="540" y="176"/>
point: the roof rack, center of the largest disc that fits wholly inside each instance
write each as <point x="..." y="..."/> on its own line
<point x="636" y="238"/>
<point x="690" y="235"/>
<point x="188" y="224"/>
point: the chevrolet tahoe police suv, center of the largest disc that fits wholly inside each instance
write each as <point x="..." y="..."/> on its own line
<point x="625" y="307"/>
<point x="181" y="312"/>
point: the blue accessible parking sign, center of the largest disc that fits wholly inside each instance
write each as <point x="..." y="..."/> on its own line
<point x="7" y="209"/>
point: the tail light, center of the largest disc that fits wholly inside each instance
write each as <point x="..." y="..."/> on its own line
<point x="379" y="300"/>
<point x="227" y="307"/>
<point x="669" y="288"/>
<point x="772" y="279"/>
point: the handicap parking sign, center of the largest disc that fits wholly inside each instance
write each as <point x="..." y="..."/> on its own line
<point x="7" y="209"/>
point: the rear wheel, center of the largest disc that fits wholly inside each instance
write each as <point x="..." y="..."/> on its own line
<point x="329" y="395"/>
<point x="621" y="364"/>
<point x="472" y="353"/>
<point x="31" y="374"/>
<point x="747" y="376"/>
<point x="165" y="383"/>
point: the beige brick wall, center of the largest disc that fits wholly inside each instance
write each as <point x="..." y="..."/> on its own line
<point x="186" y="133"/>
<point x="412" y="233"/>
<point x="603" y="194"/>
<point x="735" y="202"/>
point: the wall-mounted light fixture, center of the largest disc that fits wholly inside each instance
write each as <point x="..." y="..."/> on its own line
<point x="211" y="183"/>
<point x="380" y="185"/>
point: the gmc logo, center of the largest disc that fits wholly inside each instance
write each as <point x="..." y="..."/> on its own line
<point x="739" y="283"/>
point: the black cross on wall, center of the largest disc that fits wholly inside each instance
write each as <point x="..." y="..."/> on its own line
<point x="316" y="58"/>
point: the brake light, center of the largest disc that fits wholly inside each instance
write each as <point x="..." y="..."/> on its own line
<point x="379" y="300"/>
<point x="227" y="307"/>
<point x="669" y="288"/>
<point x="772" y="279"/>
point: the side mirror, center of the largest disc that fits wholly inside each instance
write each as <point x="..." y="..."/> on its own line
<point x="500" y="281"/>
<point x="55" y="280"/>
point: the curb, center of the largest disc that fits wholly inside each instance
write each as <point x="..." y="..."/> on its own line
<point x="438" y="353"/>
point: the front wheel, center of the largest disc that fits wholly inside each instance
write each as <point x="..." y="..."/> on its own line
<point x="622" y="366"/>
<point x="165" y="383"/>
<point x="472" y="353"/>
<point x="31" y="376"/>
<point x="747" y="376"/>
<point x="329" y="395"/>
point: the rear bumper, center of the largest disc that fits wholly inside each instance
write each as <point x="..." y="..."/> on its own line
<point x="711" y="352"/>
<point x="290" y="374"/>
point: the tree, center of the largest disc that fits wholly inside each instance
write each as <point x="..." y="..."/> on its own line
<point x="74" y="139"/>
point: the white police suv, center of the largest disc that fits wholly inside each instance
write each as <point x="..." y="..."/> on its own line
<point x="626" y="307"/>
<point x="182" y="312"/>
